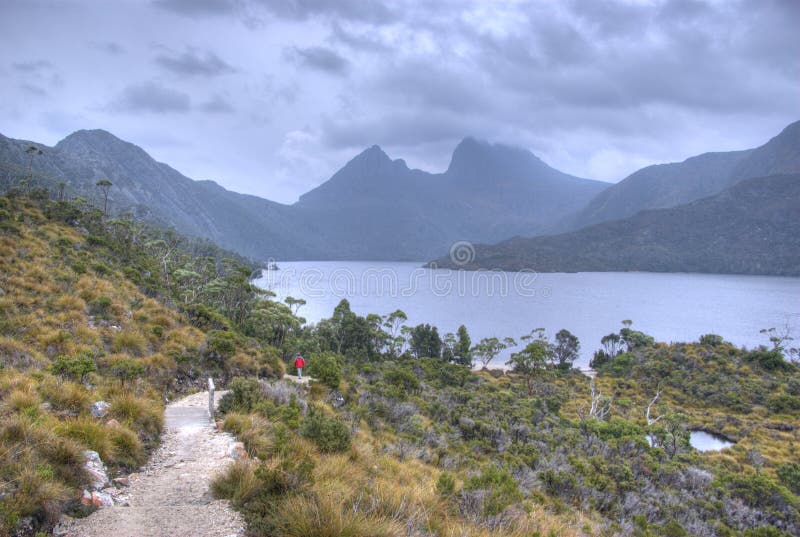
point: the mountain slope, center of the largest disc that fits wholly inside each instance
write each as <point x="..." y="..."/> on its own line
<point x="669" y="185"/>
<point x="750" y="228"/>
<point x="373" y="208"/>
<point x="150" y="189"/>
<point x="489" y="192"/>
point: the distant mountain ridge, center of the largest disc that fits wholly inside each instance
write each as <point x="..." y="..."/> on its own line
<point x="752" y="227"/>
<point x="669" y="185"/>
<point x="373" y="208"/>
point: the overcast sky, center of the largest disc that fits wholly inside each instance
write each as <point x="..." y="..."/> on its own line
<point x="272" y="97"/>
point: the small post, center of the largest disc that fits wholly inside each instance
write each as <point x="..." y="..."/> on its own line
<point x="210" y="399"/>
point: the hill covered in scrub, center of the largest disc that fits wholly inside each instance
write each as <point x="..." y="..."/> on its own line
<point x="392" y="442"/>
<point x="93" y="310"/>
<point x="396" y="435"/>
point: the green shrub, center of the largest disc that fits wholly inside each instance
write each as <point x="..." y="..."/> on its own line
<point x="126" y="370"/>
<point x="328" y="434"/>
<point x="503" y="490"/>
<point x="100" y="305"/>
<point x="789" y="476"/>
<point x="326" y="368"/>
<point x="712" y="340"/>
<point x="237" y="483"/>
<point x="222" y="343"/>
<point x="446" y="484"/>
<point x="243" y="394"/>
<point x="73" y="367"/>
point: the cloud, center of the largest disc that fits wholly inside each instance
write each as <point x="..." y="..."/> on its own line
<point x="217" y="105"/>
<point x="357" y="10"/>
<point x="109" y="47"/>
<point x="319" y="58"/>
<point x="365" y="42"/>
<point x="193" y="62"/>
<point x="33" y="66"/>
<point x="151" y="97"/>
<point x="198" y="8"/>
<point x="34" y="90"/>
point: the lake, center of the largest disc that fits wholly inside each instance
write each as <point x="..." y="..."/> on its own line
<point x="670" y="307"/>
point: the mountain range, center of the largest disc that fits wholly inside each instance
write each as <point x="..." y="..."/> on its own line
<point x="378" y="208"/>
<point x="373" y="208"/>
<point x="752" y="227"/>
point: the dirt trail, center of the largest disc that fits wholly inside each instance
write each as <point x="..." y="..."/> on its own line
<point x="171" y="497"/>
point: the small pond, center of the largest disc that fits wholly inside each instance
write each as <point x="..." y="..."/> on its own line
<point x="705" y="441"/>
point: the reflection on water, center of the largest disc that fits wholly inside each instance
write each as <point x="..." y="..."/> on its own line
<point x="704" y="441"/>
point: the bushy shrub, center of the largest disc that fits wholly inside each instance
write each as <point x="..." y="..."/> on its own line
<point x="446" y="484"/>
<point x="126" y="370"/>
<point x="326" y="368"/>
<point x="328" y="434"/>
<point x="243" y="394"/>
<point x="222" y="343"/>
<point x="501" y="489"/>
<point x="789" y="475"/>
<point x="130" y="342"/>
<point x="238" y="483"/>
<point x="712" y="340"/>
<point x="402" y="379"/>
<point x="74" y="367"/>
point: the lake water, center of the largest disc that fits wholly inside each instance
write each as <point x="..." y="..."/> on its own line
<point x="670" y="307"/>
<point x="703" y="441"/>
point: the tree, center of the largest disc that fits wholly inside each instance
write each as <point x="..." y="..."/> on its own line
<point x="462" y="351"/>
<point x="566" y="349"/>
<point x="294" y="303"/>
<point x="126" y="370"/>
<point x="104" y="185"/>
<point x="532" y="361"/>
<point x="425" y="341"/>
<point x="32" y="151"/>
<point x="393" y="324"/>
<point x="599" y="406"/>
<point x="449" y="343"/>
<point x="488" y="348"/>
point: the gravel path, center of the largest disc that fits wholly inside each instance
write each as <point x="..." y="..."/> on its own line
<point x="171" y="497"/>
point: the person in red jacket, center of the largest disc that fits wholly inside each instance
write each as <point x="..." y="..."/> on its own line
<point x="299" y="363"/>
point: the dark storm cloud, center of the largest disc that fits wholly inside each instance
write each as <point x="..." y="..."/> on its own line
<point x="198" y="8"/>
<point x="150" y="97"/>
<point x="402" y="128"/>
<point x="319" y="58"/>
<point x="193" y="62"/>
<point x="597" y="88"/>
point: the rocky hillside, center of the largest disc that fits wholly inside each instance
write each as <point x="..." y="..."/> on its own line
<point x="750" y="228"/>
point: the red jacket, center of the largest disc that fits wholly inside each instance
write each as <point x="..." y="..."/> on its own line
<point x="299" y="362"/>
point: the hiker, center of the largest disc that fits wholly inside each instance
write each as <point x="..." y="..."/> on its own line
<point x="299" y="363"/>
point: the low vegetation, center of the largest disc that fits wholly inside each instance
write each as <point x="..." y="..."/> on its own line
<point x="538" y="450"/>
<point x="92" y="310"/>
<point x="396" y="435"/>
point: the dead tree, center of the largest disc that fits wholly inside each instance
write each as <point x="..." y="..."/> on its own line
<point x="599" y="406"/>
<point x="651" y="421"/>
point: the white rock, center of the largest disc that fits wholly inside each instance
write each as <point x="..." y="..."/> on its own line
<point x="100" y="409"/>
<point x="96" y="469"/>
